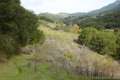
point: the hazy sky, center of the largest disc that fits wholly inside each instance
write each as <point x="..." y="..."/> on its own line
<point x="68" y="6"/>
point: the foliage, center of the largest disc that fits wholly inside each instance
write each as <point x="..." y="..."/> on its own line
<point x="118" y="44"/>
<point x="18" y="27"/>
<point x="104" y="43"/>
<point x="86" y="35"/>
<point x="101" y="41"/>
<point x="108" y="20"/>
<point x="75" y="29"/>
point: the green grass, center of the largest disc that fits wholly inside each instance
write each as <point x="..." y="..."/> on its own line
<point x="18" y="69"/>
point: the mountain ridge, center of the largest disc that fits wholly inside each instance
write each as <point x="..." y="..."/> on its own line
<point x="107" y="16"/>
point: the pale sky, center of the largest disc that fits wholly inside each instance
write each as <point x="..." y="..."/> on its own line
<point x="67" y="6"/>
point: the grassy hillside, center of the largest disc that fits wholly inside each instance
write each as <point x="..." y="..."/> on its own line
<point x="57" y="46"/>
<point x="59" y="58"/>
<point x="63" y="50"/>
<point x="22" y="68"/>
<point x="36" y="63"/>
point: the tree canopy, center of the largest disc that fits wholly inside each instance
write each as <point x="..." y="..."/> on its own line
<point x="18" y="27"/>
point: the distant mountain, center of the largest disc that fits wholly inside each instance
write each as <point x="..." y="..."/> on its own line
<point x="63" y="15"/>
<point x="115" y="6"/>
<point x="70" y="19"/>
<point x="60" y="16"/>
<point x="108" y="16"/>
<point x="50" y="17"/>
<point x="77" y="14"/>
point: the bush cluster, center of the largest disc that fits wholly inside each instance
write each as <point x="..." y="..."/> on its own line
<point x="101" y="41"/>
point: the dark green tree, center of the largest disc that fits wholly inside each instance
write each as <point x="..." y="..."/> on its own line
<point x="18" y="27"/>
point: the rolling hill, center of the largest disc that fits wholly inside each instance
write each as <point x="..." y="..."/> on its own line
<point x="107" y="17"/>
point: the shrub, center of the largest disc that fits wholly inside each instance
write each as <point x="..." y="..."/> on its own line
<point x="118" y="44"/>
<point x="8" y="45"/>
<point x="101" y="41"/>
<point x="86" y="35"/>
<point x="104" y="43"/>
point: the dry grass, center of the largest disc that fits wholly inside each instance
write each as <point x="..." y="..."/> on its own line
<point x="60" y="44"/>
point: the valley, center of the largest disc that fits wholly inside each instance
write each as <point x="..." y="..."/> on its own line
<point x="59" y="46"/>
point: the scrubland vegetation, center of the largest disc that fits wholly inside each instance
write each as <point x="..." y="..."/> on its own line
<point x="80" y="46"/>
<point x="101" y="41"/>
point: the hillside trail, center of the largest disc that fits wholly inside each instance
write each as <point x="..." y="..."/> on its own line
<point x="60" y="43"/>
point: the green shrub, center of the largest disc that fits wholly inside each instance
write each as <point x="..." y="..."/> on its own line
<point x="101" y="41"/>
<point x="86" y="35"/>
<point x="118" y="44"/>
<point x="104" y="43"/>
<point x="8" y="45"/>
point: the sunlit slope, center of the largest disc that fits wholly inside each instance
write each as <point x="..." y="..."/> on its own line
<point x="61" y="47"/>
<point x="59" y="58"/>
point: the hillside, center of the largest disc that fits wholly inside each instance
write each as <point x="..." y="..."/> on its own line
<point x="115" y="6"/>
<point x="63" y="46"/>
<point x="50" y="17"/>
<point x="58" y="58"/>
<point x="105" y="17"/>
<point x="44" y="62"/>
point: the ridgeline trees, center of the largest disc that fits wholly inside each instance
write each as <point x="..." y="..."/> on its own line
<point x="18" y="27"/>
<point x="101" y="41"/>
